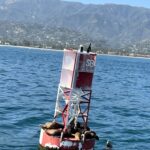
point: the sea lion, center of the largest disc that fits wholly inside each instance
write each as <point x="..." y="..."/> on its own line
<point x="52" y="125"/>
<point x="84" y="128"/>
<point x="47" y="125"/>
<point x="89" y="135"/>
<point x="77" y="136"/>
<point x="108" y="145"/>
<point x="54" y="132"/>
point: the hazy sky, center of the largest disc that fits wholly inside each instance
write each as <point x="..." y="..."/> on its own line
<point x="139" y="3"/>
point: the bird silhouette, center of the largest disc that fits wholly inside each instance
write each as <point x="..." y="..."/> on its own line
<point x="89" y="48"/>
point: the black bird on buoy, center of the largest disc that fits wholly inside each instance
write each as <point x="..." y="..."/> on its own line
<point x="89" y="48"/>
<point x="108" y="145"/>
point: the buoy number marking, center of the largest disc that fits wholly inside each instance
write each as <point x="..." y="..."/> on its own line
<point x="90" y="63"/>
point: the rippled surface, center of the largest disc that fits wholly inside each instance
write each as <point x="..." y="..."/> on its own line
<point x="28" y="85"/>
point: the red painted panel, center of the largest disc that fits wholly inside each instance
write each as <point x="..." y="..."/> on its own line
<point x="87" y="62"/>
<point x="46" y="139"/>
<point x="88" y="144"/>
<point x="84" y="80"/>
<point x="72" y="143"/>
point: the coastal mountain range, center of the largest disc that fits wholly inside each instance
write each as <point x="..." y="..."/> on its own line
<point x="109" y="25"/>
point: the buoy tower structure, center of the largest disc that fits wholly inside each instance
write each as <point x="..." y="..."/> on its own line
<point x="69" y="129"/>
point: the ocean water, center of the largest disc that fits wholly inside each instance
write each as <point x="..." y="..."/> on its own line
<point x="120" y="105"/>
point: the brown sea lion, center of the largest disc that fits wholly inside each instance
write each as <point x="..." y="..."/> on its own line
<point x="54" y="132"/>
<point x="47" y="125"/>
<point x="77" y="136"/>
<point x="52" y="125"/>
<point x="90" y="135"/>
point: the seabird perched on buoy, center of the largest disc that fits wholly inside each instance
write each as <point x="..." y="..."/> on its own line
<point x="89" y="48"/>
<point x="81" y="48"/>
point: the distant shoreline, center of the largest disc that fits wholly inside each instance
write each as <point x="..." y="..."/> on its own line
<point x="140" y="57"/>
<point x="51" y="49"/>
<point x="45" y="49"/>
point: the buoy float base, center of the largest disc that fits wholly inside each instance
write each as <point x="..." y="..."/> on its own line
<point x="49" y="142"/>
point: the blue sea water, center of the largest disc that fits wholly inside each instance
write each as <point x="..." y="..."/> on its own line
<point x="120" y="105"/>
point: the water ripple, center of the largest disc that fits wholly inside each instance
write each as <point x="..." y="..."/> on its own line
<point x="119" y="106"/>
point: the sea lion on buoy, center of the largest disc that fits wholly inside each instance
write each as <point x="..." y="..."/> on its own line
<point x="90" y="135"/>
<point x="84" y="128"/>
<point x="54" y="132"/>
<point x="47" y="125"/>
<point x="52" y="125"/>
<point x="93" y="135"/>
<point x="77" y="136"/>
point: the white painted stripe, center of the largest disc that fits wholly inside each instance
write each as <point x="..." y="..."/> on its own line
<point x="41" y="136"/>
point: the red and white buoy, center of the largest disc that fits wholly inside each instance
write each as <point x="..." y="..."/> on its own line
<point x="69" y="130"/>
